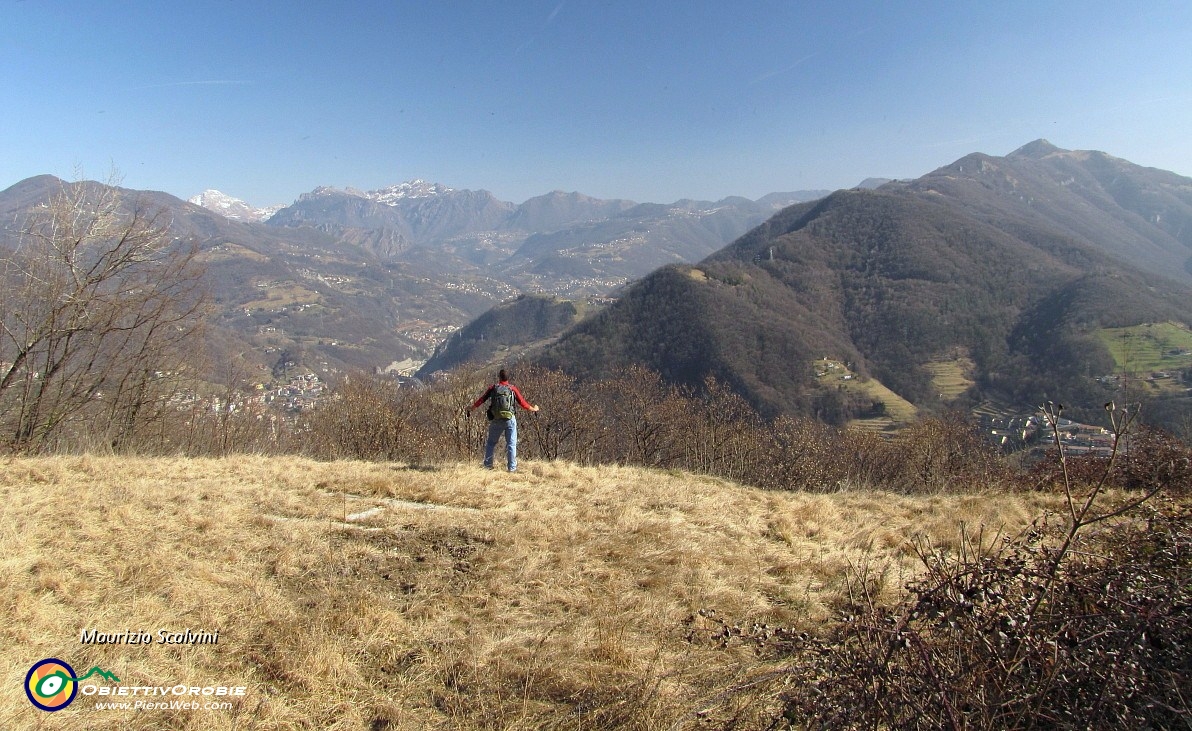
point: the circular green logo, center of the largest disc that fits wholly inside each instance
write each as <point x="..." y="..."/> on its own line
<point x="51" y="684"/>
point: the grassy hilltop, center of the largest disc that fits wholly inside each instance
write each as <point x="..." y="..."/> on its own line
<point x="354" y="595"/>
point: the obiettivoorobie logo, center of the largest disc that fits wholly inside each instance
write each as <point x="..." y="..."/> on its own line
<point x="51" y="683"/>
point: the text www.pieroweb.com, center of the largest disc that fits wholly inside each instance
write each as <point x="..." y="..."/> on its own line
<point x="174" y="705"/>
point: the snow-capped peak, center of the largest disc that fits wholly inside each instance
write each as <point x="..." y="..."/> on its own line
<point x="409" y="189"/>
<point x="233" y="208"/>
<point x="390" y="196"/>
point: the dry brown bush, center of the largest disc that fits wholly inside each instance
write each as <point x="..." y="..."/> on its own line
<point x="636" y="419"/>
<point x="1149" y="457"/>
<point x="942" y="454"/>
<point x="1014" y="638"/>
<point x="566" y="427"/>
<point x="1080" y="622"/>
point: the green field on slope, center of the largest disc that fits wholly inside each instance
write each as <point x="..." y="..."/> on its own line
<point x="1157" y="346"/>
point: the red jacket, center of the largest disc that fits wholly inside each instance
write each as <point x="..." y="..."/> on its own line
<point x="521" y="401"/>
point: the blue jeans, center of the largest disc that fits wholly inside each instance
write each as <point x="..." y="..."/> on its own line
<point x="496" y="428"/>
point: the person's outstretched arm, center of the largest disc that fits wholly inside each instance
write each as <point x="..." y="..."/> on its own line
<point x="521" y="400"/>
<point x="482" y="399"/>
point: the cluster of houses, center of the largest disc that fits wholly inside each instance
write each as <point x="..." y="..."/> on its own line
<point x="579" y="285"/>
<point x="1115" y="380"/>
<point x="426" y="334"/>
<point x="1076" y="438"/>
<point x="828" y="367"/>
<point x="300" y="394"/>
<point x="333" y="280"/>
<point x="498" y="289"/>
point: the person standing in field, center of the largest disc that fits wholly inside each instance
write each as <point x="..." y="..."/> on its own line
<point x="502" y="397"/>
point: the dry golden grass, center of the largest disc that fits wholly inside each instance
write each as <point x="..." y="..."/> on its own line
<point x="229" y="251"/>
<point x="899" y="411"/>
<point x="952" y="375"/>
<point x="355" y="595"/>
<point x="285" y="294"/>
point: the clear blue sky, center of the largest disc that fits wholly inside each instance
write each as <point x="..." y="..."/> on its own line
<point x="651" y="101"/>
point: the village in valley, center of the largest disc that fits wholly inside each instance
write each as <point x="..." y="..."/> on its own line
<point x="296" y="394"/>
<point x="1010" y="429"/>
<point x="1076" y="438"/>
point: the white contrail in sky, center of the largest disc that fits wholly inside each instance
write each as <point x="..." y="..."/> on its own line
<point x="549" y="19"/>
<point x="792" y="67"/>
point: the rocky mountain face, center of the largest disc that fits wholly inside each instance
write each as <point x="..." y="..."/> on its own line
<point x="390" y="195"/>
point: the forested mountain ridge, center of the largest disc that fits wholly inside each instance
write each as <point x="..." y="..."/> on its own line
<point x="984" y="258"/>
<point x="1136" y="214"/>
<point x="509" y="329"/>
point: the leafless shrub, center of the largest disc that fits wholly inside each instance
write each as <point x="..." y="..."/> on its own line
<point x="444" y="428"/>
<point x="570" y="425"/>
<point x="802" y="456"/>
<point x="373" y="417"/>
<point x="1157" y="457"/>
<point x="362" y="420"/>
<point x="934" y="455"/>
<point x="722" y="434"/>
<point x="1018" y="637"/>
<point x="212" y="429"/>
<point x="637" y="419"/>
<point x="1081" y="622"/>
<point x="99" y="303"/>
<point x="938" y="454"/>
<point x="646" y="413"/>
<point x="1145" y="457"/>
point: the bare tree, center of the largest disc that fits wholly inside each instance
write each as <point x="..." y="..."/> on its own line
<point x="99" y="300"/>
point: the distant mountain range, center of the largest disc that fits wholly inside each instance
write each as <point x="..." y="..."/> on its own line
<point x="367" y="279"/>
<point x="563" y="243"/>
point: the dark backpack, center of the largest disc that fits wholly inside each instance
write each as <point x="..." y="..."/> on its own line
<point x="500" y="404"/>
